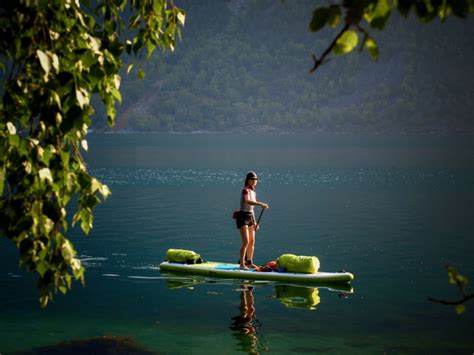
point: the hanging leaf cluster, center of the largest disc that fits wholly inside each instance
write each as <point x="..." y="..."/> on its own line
<point x="56" y="54"/>
<point x="358" y="15"/>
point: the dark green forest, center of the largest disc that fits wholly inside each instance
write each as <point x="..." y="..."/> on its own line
<point x="244" y="66"/>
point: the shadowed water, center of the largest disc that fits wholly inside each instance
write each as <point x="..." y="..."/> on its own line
<point x="392" y="210"/>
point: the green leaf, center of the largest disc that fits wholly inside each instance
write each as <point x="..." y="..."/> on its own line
<point x="105" y="191"/>
<point x="82" y="97"/>
<point x="141" y="74"/>
<point x="14" y="141"/>
<point x="45" y="61"/>
<point x="41" y="268"/>
<point x="86" y="220"/>
<point x="95" y="185"/>
<point x="319" y="19"/>
<point x="67" y="251"/>
<point x="334" y="16"/>
<point x="372" y="48"/>
<point x="181" y="17"/>
<point x="44" y="300"/>
<point x="88" y="59"/>
<point x="346" y="43"/>
<point x="56" y="98"/>
<point x="460" y="308"/>
<point x="116" y="94"/>
<point x="84" y="145"/>
<point x="150" y="48"/>
<point x="45" y="175"/>
<point x="55" y="61"/>
<point x="11" y="128"/>
<point x="379" y="14"/>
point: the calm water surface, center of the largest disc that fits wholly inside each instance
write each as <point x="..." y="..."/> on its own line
<point x="392" y="210"/>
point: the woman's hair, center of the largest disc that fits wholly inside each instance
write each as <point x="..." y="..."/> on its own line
<point x="250" y="175"/>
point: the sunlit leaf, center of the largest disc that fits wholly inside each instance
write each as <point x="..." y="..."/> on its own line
<point x="82" y="97"/>
<point x="105" y="191"/>
<point x="67" y="250"/>
<point x="45" y="61"/>
<point x="11" y="128"/>
<point x="55" y="61"/>
<point x="346" y="43"/>
<point x="44" y="300"/>
<point x="141" y="74"/>
<point x="45" y="175"/>
<point x="181" y="17"/>
<point x="378" y="15"/>
<point x="95" y="185"/>
<point x="84" y="145"/>
<point x="372" y="48"/>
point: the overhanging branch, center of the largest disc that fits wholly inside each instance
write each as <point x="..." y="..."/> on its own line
<point x="318" y="62"/>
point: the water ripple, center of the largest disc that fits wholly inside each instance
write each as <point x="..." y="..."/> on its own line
<point x="180" y="177"/>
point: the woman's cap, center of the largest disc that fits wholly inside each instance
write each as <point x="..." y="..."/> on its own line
<point x="251" y="175"/>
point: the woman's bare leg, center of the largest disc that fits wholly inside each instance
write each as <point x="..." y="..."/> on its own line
<point x="251" y="244"/>
<point x="244" y="234"/>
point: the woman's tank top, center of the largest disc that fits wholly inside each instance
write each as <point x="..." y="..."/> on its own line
<point x="247" y="194"/>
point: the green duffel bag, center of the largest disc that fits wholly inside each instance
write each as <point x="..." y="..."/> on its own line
<point x="183" y="256"/>
<point x="299" y="264"/>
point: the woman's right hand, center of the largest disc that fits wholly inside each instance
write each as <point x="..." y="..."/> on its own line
<point x="264" y="206"/>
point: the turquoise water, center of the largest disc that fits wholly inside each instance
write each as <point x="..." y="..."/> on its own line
<point x="392" y="210"/>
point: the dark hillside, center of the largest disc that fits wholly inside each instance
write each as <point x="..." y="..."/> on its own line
<point x="243" y="66"/>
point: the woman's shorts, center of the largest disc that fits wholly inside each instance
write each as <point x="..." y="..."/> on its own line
<point x="244" y="219"/>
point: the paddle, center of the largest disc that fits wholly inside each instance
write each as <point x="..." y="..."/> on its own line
<point x="259" y="217"/>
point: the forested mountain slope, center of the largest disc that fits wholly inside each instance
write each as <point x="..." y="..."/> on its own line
<point x="243" y="66"/>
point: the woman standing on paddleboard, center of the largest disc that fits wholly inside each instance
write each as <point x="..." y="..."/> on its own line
<point x="245" y="219"/>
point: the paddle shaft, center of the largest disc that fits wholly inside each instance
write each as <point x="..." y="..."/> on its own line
<point x="259" y="217"/>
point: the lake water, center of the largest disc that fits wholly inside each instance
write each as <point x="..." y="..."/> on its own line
<point x="392" y="210"/>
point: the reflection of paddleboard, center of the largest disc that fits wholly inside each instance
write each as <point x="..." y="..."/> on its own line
<point x="215" y="269"/>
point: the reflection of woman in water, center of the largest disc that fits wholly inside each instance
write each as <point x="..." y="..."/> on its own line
<point x="245" y="324"/>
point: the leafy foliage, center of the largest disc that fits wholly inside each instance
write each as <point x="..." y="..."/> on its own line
<point x="56" y="55"/>
<point x="375" y="14"/>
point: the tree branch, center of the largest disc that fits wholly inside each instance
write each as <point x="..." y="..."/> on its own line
<point x="318" y="62"/>
<point x="451" y="303"/>
<point x="460" y="284"/>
